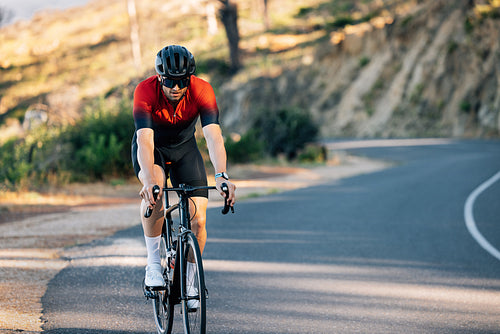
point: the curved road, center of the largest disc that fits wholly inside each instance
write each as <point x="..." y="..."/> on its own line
<point x="387" y="252"/>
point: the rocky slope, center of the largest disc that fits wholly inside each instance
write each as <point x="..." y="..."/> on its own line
<point x="431" y="70"/>
<point x="394" y="68"/>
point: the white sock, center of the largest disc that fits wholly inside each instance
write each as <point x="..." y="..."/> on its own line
<point x="153" y="248"/>
<point x="190" y="274"/>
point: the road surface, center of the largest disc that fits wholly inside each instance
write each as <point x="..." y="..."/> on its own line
<point x="386" y="252"/>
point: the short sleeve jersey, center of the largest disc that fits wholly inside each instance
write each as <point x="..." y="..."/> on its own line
<point x="173" y="127"/>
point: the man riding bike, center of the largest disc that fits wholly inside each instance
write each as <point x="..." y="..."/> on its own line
<point x="166" y="109"/>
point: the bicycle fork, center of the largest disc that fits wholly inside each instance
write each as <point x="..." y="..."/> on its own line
<point x="181" y="262"/>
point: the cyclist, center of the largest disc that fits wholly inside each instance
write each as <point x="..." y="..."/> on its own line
<point x="166" y="109"/>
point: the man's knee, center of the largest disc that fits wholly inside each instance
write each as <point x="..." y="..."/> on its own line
<point x="198" y="207"/>
<point x="199" y="222"/>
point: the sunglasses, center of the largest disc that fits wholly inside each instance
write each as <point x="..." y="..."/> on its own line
<point x="171" y="83"/>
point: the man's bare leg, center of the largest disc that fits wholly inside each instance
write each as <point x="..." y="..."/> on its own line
<point x="198" y="223"/>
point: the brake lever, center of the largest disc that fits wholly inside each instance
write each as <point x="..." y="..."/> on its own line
<point x="149" y="211"/>
<point x="226" y="208"/>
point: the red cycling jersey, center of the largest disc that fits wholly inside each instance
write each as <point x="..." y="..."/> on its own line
<point x="173" y="127"/>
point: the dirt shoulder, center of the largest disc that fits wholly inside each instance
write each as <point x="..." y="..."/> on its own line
<point x="34" y="238"/>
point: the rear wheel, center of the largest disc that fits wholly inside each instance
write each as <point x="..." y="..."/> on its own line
<point x="163" y="307"/>
<point x="194" y="304"/>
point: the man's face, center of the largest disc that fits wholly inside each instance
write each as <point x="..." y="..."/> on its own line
<point x="174" y="93"/>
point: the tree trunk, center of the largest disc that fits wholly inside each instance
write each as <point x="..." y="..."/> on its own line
<point x="211" y="19"/>
<point x="229" y="17"/>
<point x="266" y="15"/>
<point x="134" y="35"/>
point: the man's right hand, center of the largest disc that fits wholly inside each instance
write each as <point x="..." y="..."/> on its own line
<point x="156" y="193"/>
<point x="147" y="194"/>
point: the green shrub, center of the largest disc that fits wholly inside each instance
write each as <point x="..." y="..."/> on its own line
<point x="363" y="61"/>
<point x="248" y="149"/>
<point x="468" y="26"/>
<point x="96" y="148"/>
<point x="100" y="156"/>
<point x="465" y="106"/>
<point x="303" y="11"/>
<point x="313" y="153"/>
<point x="14" y="165"/>
<point x="28" y="162"/>
<point x="284" y="131"/>
<point x="101" y="142"/>
<point x="341" y="22"/>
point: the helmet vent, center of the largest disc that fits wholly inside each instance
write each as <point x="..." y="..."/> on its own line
<point x="169" y="65"/>
<point x="176" y="62"/>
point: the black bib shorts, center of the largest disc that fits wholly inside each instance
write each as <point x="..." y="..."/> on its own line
<point x="182" y="162"/>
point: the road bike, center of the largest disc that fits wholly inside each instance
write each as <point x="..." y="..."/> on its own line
<point x="179" y="249"/>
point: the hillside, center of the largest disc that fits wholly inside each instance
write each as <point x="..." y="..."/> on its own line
<point x="393" y="68"/>
<point x="429" y="68"/>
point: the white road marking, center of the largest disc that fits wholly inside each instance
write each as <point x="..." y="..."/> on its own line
<point x="353" y="144"/>
<point x="469" y="216"/>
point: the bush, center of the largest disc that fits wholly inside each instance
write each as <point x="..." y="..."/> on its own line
<point x="101" y="142"/>
<point x="29" y="162"/>
<point x="100" y="156"/>
<point x="285" y="131"/>
<point x="14" y="165"/>
<point x="313" y="153"/>
<point x="98" y="147"/>
<point x="341" y="22"/>
<point x="272" y="133"/>
<point x="248" y="149"/>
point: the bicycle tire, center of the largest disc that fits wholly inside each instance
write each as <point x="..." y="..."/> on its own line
<point x="194" y="320"/>
<point x="162" y="303"/>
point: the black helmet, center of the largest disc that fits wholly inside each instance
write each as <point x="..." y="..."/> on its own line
<point x="175" y="62"/>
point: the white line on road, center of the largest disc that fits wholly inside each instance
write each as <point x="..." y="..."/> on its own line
<point x="469" y="216"/>
<point x="353" y="144"/>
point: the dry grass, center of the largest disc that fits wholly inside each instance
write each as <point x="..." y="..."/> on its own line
<point x="88" y="47"/>
<point x="18" y="205"/>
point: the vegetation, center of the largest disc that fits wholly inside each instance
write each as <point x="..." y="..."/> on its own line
<point x="96" y="149"/>
<point x="249" y="148"/>
<point x="285" y="131"/>
<point x="99" y="147"/>
<point x="101" y="142"/>
<point x="69" y="49"/>
<point x="62" y="52"/>
<point x="89" y="51"/>
<point x="273" y="133"/>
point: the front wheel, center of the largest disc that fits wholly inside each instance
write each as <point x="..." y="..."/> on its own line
<point x="162" y="304"/>
<point x="194" y="301"/>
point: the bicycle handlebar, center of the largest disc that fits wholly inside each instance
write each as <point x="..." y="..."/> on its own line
<point x="149" y="211"/>
<point x="187" y="189"/>
<point x="225" y="210"/>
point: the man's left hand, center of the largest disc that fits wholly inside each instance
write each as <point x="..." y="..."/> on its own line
<point x="232" y="189"/>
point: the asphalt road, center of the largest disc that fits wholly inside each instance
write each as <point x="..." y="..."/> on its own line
<point x="387" y="252"/>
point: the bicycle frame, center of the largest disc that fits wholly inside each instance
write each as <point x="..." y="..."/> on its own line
<point x="185" y="250"/>
<point x="184" y="228"/>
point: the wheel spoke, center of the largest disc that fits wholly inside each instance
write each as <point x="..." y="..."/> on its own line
<point x="163" y="308"/>
<point x="194" y="304"/>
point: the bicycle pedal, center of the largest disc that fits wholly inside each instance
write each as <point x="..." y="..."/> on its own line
<point x="190" y="310"/>
<point x="157" y="288"/>
<point x="150" y="294"/>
